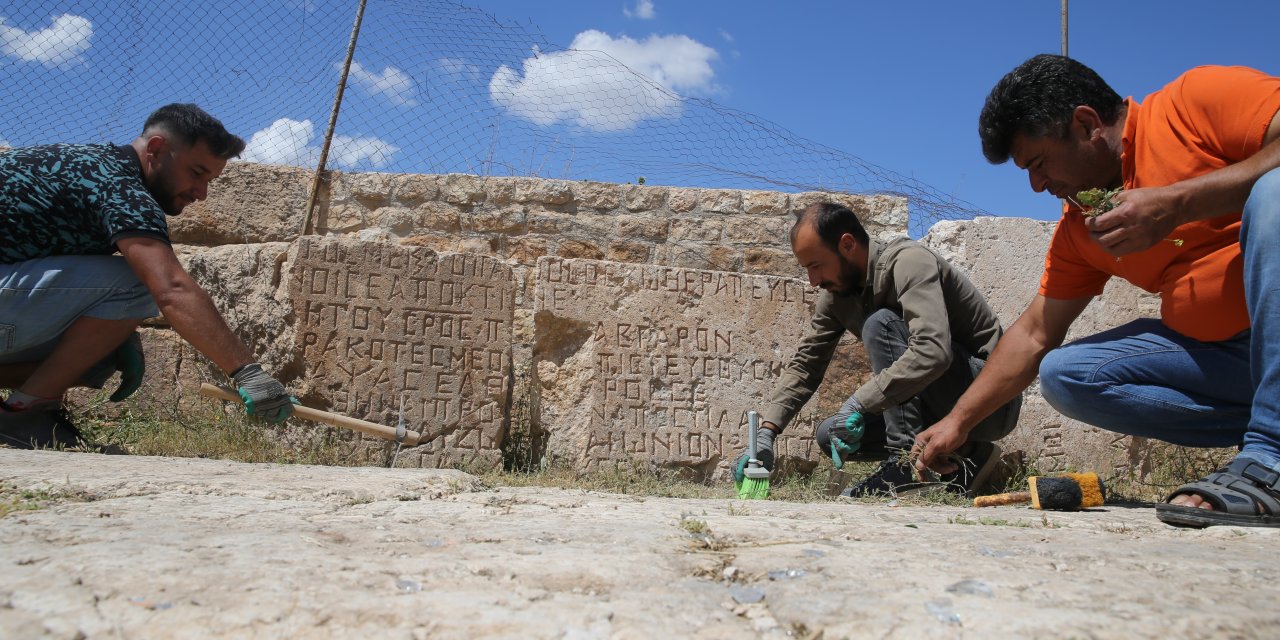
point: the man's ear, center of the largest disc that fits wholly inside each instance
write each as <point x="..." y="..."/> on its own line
<point x="156" y="145"/>
<point x="1090" y="123"/>
<point x="847" y="244"/>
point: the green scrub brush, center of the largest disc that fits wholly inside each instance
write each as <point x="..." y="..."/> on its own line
<point x="755" y="481"/>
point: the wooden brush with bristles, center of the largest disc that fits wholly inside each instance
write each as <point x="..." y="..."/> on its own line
<point x="1067" y="492"/>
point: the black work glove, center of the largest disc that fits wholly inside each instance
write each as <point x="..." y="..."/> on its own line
<point x="764" y="453"/>
<point x="264" y="397"/>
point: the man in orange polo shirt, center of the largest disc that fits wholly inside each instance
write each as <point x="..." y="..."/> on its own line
<point x="1199" y="223"/>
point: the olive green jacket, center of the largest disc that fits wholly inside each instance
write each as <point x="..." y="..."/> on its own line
<point x="939" y="304"/>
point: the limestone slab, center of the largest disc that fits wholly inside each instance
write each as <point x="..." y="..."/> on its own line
<point x="384" y="326"/>
<point x="148" y="547"/>
<point x="661" y="364"/>
<point x="248" y="203"/>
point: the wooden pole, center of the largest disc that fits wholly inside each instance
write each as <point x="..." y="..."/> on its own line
<point x="333" y="120"/>
<point x="411" y="438"/>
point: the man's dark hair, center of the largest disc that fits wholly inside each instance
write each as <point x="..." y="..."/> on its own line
<point x="831" y="221"/>
<point x="190" y="124"/>
<point x="1038" y="98"/>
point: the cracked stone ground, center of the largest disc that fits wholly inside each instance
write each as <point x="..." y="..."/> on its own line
<point x="139" y="547"/>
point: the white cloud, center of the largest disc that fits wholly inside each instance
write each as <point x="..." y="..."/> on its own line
<point x="288" y="142"/>
<point x="393" y="84"/>
<point x="728" y="37"/>
<point x="677" y="62"/>
<point x="636" y="80"/>
<point x="347" y="151"/>
<point x="284" y="142"/>
<point x="60" y="45"/>
<point x="460" y="69"/>
<point x="644" y="10"/>
<point x="5" y="144"/>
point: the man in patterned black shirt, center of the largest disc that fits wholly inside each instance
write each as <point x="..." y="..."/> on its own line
<point x="69" y="307"/>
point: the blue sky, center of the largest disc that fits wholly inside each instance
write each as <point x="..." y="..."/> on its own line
<point x="788" y="93"/>
<point x="900" y="84"/>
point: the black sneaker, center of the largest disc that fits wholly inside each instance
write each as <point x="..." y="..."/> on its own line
<point x="39" y="428"/>
<point x="975" y="468"/>
<point x="895" y="476"/>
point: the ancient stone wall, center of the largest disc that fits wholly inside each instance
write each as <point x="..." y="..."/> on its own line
<point x="591" y="322"/>
<point x="521" y="219"/>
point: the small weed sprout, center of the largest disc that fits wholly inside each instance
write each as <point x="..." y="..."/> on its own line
<point x="695" y="526"/>
<point x="1095" y="202"/>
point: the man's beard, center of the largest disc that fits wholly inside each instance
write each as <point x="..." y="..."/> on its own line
<point x="851" y="278"/>
<point x="162" y="190"/>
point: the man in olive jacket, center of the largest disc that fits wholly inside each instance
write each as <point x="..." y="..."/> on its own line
<point x="927" y="331"/>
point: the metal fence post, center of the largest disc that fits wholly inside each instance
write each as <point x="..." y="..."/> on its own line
<point x="1064" y="28"/>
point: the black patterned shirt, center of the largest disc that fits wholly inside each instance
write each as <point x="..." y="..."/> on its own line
<point x="73" y="199"/>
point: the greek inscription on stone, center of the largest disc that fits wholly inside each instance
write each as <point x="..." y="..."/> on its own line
<point x="385" y="329"/>
<point x="667" y="362"/>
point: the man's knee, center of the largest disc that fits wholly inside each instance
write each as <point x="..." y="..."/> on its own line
<point x="1266" y="190"/>
<point x="885" y="335"/>
<point x="1262" y="210"/>
<point x="1059" y="379"/>
<point x="881" y="322"/>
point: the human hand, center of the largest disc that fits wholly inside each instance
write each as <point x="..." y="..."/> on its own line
<point x="934" y="446"/>
<point x="846" y="438"/>
<point x="264" y="397"/>
<point x="1140" y="219"/>
<point x="764" y="453"/>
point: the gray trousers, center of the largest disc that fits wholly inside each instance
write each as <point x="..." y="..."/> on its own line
<point x="885" y="335"/>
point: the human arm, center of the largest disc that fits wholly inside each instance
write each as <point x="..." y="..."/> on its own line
<point x="803" y="373"/>
<point x="1145" y="216"/>
<point x="193" y="315"/>
<point x="1013" y="365"/>
<point x="184" y="304"/>
<point x="800" y="379"/>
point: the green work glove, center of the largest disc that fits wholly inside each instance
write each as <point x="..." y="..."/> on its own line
<point x="131" y="364"/>
<point x="764" y="453"/>
<point x="128" y="360"/>
<point x="264" y="397"/>
<point x="846" y="438"/>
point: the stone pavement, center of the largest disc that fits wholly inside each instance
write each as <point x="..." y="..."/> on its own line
<point x="139" y="547"/>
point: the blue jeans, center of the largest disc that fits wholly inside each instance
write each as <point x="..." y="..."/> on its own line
<point x="1144" y="379"/>
<point x="1260" y="242"/>
<point x="41" y="298"/>
<point x="886" y="337"/>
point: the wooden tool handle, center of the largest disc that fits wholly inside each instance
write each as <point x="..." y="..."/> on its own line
<point x="1017" y="497"/>
<point x="411" y="438"/>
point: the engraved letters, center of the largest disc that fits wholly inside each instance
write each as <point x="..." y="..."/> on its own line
<point x="378" y="321"/>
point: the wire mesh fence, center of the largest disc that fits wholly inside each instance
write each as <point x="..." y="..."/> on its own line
<point x="433" y="87"/>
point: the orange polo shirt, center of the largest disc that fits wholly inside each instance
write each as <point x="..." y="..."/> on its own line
<point x="1208" y="118"/>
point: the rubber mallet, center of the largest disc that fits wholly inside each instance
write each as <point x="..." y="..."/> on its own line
<point x="1068" y="492"/>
